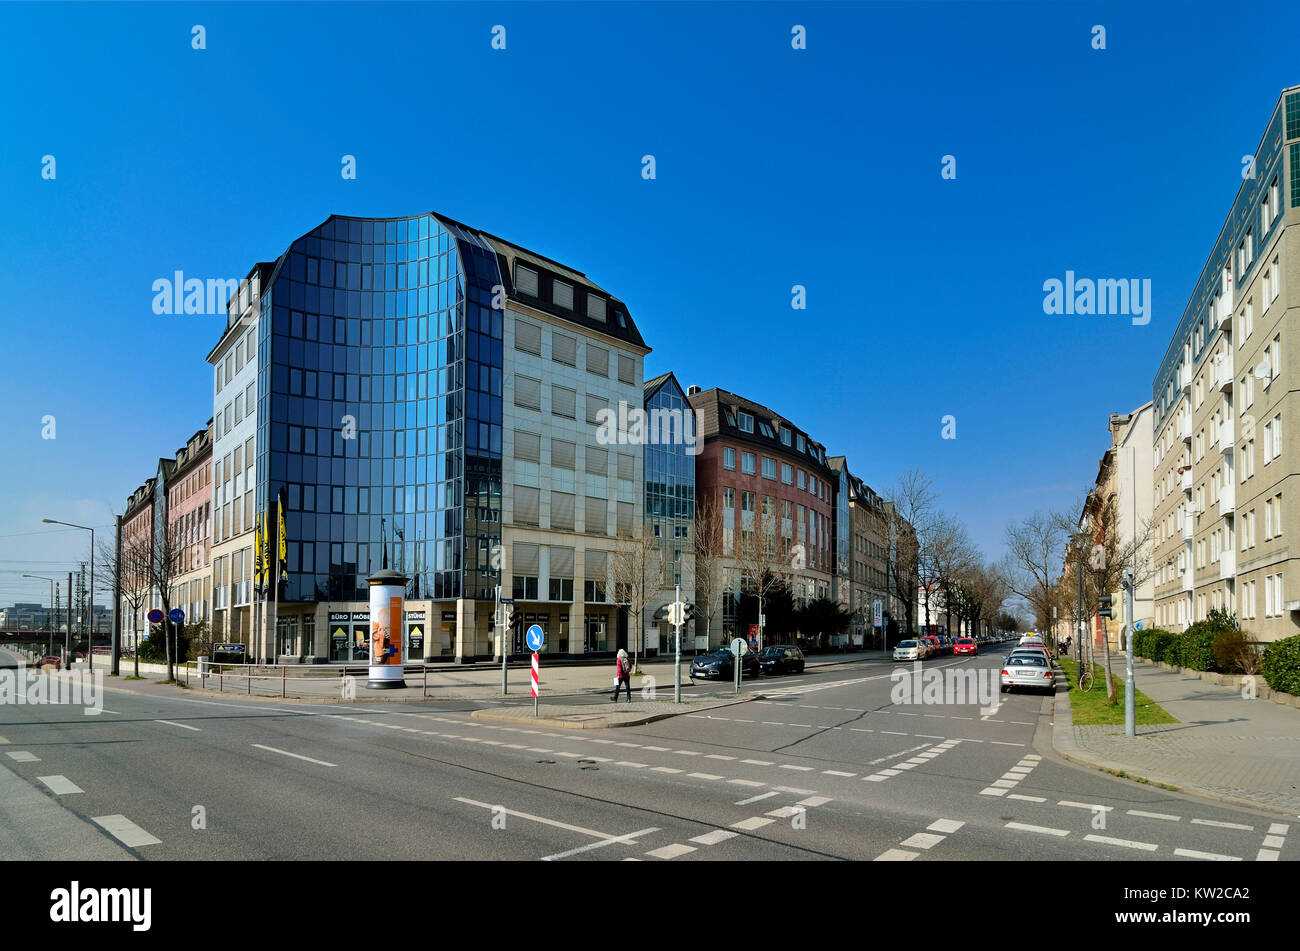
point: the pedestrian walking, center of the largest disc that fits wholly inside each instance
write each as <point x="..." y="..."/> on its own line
<point x="622" y="675"/>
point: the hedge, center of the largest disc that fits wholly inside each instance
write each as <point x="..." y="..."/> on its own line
<point x="1281" y="667"/>
<point x="1197" y="648"/>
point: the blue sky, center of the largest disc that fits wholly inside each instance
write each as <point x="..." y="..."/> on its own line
<point x="775" y="167"/>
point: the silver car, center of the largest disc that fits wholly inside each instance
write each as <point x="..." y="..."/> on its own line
<point x="907" y="650"/>
<point x="1028" y="669"/>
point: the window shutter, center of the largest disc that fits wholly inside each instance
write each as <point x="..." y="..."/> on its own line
<point x="596" y="307"/>
<point x="625" y="519"/>
<point x="596" y="566"/>
<point x="528" y="392"/>
<point x="564" y="349"/>
<point x="561" y="562"/>
<point x="626" y="466"/>
<point x="562" y="515"/>
<point x="528" y="337"/>
<point x="528" y="447"/>
<point x="597" y="517"/>
<point x="626" y="369"/>
<point x="597" y="461"/>
<point x="562" y="454"/>
<point x="525" y="505"/>
<point x="564" y="401"/>
<point x="526" y="560"/>
<point x="594" y="405"/>
<point x="597" y="360"/>
<point x="562" y="295"/>
<point x="525" y="280"/>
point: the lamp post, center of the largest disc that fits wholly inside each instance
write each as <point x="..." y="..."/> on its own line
<point x="50" y="613"/>
<point x="90" y="647"/>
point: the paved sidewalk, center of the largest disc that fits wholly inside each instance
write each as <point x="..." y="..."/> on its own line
<point x="1225" y="747"/>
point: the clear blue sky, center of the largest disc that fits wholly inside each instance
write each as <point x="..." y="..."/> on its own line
<point x="775" y="167"/>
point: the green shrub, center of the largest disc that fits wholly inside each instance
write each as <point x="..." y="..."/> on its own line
<point x="1281" y="665"/>
<point x="1197" y="648"/>
<point x="1160" y="645"/>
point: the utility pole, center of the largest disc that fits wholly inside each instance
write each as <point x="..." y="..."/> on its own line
<point x="1130" y="723"/>
<point x="67" y="635"/>
<point x="116" y="662"/>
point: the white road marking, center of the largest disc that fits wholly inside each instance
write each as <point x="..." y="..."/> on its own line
<point x="785" y="812"/>
<point x="1154" y="815"/>
<point x="183" y="726"/>
<point x="718" y="756"/>
<point x="686" y="753"/>
<point x="125" y="831"/>
<point x="1222" y="825"/>
<point x="1085" y="805"/>
<point x="1274" y="841"/>
<point x="664" y="769"/>
<point x="947" y="826"/>
<point x="624" y="762"/>
<point x="746" y="782"/>
<point x="708" y="776"/>
<point x="629" y="839"/>
<point x="801" y="769"/>
<point x="22" y="756"/>
<point x="1006" y="783"/>
<point x="753" y="799"/>
<point x="749" y="825"/>
<point x="1267" y="855"/>
<point x="714" y="837"/>
<point x="896" y="855"/>
<point x="546" y="822"/>
<point x="1126" y="843"/>
<point x="1026" y="798"/>
<point x="757" y="762"/>
<point x="793" y="791"/>
<point x="813" y="801"/>
<point x="1023" y="827"/>
<point x="923" y="840"/>
<point x="1278" y="828"/>
<point x="3" y="741"/>
<point x="272" y="749"/>
<point x="60" y="785"/>
<point x="1209" y="856"/>
<point x="658" y="749"/>
<point x="671" y="851"/>
<point x="836" y="772"/>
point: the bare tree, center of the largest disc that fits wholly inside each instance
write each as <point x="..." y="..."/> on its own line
<point x="136" y="577"/>
<point x="166" y="564"/>
<point x="913" y="499"/>
<point x="636" y="572"/>
<point x="1035" y="554"/>
<point x="707" y="533"/>
<point x="947" y="555"/>
<point x="762" y="562"/>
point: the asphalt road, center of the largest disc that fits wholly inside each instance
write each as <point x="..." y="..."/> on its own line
<point x="826" y="767"/>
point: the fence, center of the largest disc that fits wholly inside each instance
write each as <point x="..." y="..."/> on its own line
<point x="206" y="671"/>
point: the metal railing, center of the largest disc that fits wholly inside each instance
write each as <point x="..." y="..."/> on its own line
<point x="273" y="672"/>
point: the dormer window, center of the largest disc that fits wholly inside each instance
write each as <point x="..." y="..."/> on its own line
<point x="525" y="280"/>
<point x="746" y="423"/>
<point x="562" y="295"/>
<point x="766" y="430"/>
<point x="596" y="307"/>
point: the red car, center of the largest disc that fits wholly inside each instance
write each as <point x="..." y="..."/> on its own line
<point x="51" y="659"/>
<point x="965" y="645"/>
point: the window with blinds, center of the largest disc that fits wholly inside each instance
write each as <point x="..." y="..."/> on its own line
<point x="594" y="405"/>
<point x="597" y="360"/>
<point x="561" y="562"/>
<point x="597" y="461"/>
<point x="528" y="447"/>
<point x="626" y="466"/>
<point x="528" y="337"/>
<point x="526" y="504"/>
<point x="527" y="559"/>
<point x="625" y="519"/>
<point x="564" y="349"/>
<point x="597" y="516"/>
<point x="562" y="294"/>
<point x="564" y="402"/>
<point x="596" y="307"/>
<point x="626" y="369"/>
<point x="562" y="510"/>
<point x="525" y="280"/>
<point x="596" y="574"/>
<point x="563" y="454"/>
<point x="528" y="392"/>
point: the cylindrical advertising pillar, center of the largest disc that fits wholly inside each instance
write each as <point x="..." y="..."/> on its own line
<point x="387" y="588"/>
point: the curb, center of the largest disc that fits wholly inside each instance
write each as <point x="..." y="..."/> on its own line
<point x="1063" y="745"/>
<point x="495" y="714"/>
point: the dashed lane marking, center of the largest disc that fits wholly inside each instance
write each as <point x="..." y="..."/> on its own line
<point x="754" y="799"/>
<point x="1222" y="825"/>
<point x="1025" y="827"/>
<point x="22" y="756"/>
<point x="1208" y="856"/>
<point x="714" y="837"/>
<point x="125" y="831"/>
<point x="1154" y="815"/>
<point x="1125" y="843"/>
<point x="629" y="839"/>
<point x="272" y="749"/>
<point x="749" y="825"/>
<point x="60" y="785"/>
<point x="671" y="851"/>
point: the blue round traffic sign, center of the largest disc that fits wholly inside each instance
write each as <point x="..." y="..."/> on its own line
<point x="535" y="637"/>
<point x="177" y="616"/>
<point x="155" y="616"/>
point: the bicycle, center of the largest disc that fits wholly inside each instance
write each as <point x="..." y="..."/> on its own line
<point x="1086" y="676"/>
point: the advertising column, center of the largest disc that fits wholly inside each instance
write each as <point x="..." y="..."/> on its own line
<point x="387" y="589"/>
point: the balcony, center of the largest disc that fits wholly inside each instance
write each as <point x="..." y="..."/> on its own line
<point x="1227" y="565"/>
<point x="1227" y="434"/>
<point x="1189" y="579"/>
<point x="1185" y="378"/>
<point x="1185" y="480"/>
<point x="1228" y="497"/>
<point x="1185" y="428"/>
<point x="1223" y="372"/>
<point x="1189" y="528"/>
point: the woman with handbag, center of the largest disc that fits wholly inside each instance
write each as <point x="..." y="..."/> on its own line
<point x="622" y="675"/>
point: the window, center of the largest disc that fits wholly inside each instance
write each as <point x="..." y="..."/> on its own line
<point x="528" y="392"/>
<point x="728" y="458"/>
<point x="564" y="402"/>
<point x="525" y="280"/>
<point x="786" y="438"/>
<point x="561" y="514"/>
<point x="626" y="369"/>
<point x="1268" y="519"/>
<point x="564" y="349"/>
<point x="597" y="360"/>
<point x="787" y="473"/>
<point x="597" y="516"/>
<point x="528" y="337"/>
<point x="596" y="307"/>
<point x="765" y="429"/>
<point x="1277" y="282"/>
<point x="803" y="480"/>
<point x="769" y="468"/>
<point x="1277" y="435"/>
<point x="562" y="294"/>
<point x="1277" y="515"/>
<point x="1275" y="364"/>
<point x="746" y="423"/>
<point x="800" y="443"/>
<point x="563" y="454"/>
<point x="594" y="406"/>
<point x="747" y="463"/>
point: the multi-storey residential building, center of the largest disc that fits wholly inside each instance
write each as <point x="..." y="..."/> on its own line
<point x="775" y="490"/>
<point x="1224" y="464"/>
<point x="137" y="545"/>
<point x="866" y="575"/>
<point x="189" y="519"/>
<point x="431" y="391"/>
<point x="670" y="447"/>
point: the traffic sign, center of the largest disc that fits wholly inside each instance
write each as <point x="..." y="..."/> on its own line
<point x="535" y="638"/>
<point x="677" y="613"/>
<point x="507" y="600"/>
<point x="878" y="613"/>
<point x="738" y="646"/>
<point x="536" y="673"/>
<point x="177" y="616"/>
<point x="155" y="616"/>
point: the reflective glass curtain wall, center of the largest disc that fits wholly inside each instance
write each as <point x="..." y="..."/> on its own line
<point x="670" y="480"/>
<point x="379" y="389"/>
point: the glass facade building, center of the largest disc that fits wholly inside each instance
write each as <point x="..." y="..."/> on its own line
<point x="670" y="474"/>
<point x="379" y="407"/>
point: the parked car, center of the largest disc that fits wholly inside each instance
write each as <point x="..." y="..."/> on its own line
<point x="1028" y="670"/>
<point x="1033" y="649"/>
<point x="965" y="645"/>
<point x="53" y="659"/>
<point x="932" y="645"/>
<point x="909" y="650"/>
<point x="781" y="659"/>
<point x="719" y="665"/>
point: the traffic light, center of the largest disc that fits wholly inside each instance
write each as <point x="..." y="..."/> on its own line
<point x="1103" y="608"/>
<point x="690" y="613"/>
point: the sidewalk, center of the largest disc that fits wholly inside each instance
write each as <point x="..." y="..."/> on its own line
<point x="1245" y="752"/>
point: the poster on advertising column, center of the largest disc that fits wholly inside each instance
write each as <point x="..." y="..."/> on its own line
<point x="385" y="635"/>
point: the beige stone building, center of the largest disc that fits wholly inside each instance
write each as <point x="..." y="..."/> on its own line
<point x="1225" y="464"/>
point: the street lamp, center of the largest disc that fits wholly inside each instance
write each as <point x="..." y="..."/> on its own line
<point x="90" y="651"/>
<point x="51" y="611"/>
